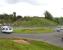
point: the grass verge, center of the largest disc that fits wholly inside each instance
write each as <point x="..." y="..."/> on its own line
<point x="28" y="31"/>
<point x="8" y="44"/>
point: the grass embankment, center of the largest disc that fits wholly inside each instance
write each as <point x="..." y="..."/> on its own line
<point x="9" y="44"/>
<point x="37" y="30"/>
<point x="35" y="22"/>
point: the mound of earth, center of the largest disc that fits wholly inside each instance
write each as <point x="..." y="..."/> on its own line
<point x="21" y="41"/>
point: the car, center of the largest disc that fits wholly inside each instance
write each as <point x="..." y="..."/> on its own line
<point x="61" y="28"/>
<point x="6" y="29"/>
<point x="58" y="29"/>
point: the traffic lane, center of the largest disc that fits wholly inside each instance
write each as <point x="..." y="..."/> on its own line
<point x="52" y="38"/>
<point x="37" y="36"/>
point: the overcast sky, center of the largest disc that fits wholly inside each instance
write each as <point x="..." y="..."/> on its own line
<point x="32" y="7"/>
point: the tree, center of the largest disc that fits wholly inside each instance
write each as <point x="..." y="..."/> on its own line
<point x="56" y="20"/>
<point x="27" y="18"/>
<point x="48" y="15"/>
<point x="61" y="20"/>
<point x="14" y="14"/>
<point x="19" y="17"/>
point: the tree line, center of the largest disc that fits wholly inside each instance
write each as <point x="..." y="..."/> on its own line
<point x="10" y="18"/>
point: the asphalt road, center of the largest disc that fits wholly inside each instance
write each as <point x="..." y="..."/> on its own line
<point x="52" y="38"/>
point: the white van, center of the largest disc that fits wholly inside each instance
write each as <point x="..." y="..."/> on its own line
<point x="6" y="29"/>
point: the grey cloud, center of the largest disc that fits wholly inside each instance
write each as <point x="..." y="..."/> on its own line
<point x="31" y="1"/>
<point x="1" y="5"/>
<point x="17" y="1"/>
<point x="12" y="1"/>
